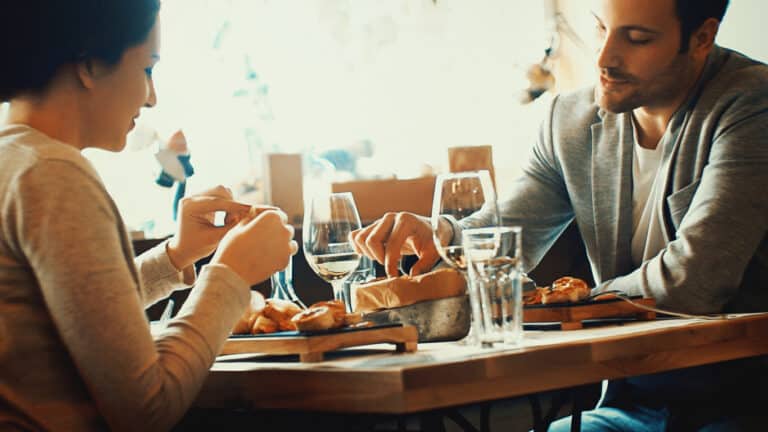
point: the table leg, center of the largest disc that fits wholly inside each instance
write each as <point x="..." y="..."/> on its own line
<point x="538" y="421"/>
<point x="580" y="395"/>
<point x="542" y="421"/>
<point x="432" y="422"/>
<point x="485" y="417"/>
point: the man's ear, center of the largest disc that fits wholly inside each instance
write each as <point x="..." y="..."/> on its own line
<point x="703" y="39"/>
<point x="85" y="73"/>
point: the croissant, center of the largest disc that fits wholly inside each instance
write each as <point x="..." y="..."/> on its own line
<point x="566" y="289"/>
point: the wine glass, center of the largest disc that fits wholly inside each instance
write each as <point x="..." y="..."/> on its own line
<point x="329" y="218"/>
<point x="282" y="285"/>
<point x="464" y="195"/>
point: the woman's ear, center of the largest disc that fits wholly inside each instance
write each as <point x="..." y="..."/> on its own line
<point x="85" y="73"/>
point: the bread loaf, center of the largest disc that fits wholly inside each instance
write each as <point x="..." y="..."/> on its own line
<point x="407" y="290"/>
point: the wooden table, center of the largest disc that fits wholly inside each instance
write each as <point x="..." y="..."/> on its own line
<point x="375" y="380"/>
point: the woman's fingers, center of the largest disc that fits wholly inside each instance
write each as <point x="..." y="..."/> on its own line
<point x="218" y="192"/>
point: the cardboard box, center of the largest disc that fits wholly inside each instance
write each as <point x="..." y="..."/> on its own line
<point x="473" y="158"/>
<point x="283" y="184"/>
<point x="376" y="197"/>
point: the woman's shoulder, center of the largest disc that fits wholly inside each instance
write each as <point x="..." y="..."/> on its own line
<point x="24" y="150"/>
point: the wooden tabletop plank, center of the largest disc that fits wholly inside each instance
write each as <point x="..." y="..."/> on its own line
<point x="446" y="374"/>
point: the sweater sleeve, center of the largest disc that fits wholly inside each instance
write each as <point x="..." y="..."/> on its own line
<point x="67" y="226"/>
<point x="538" y="200"/>
<point x="158" y="275"/>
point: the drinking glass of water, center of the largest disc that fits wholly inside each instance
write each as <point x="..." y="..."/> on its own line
<point x="494" y="261"/>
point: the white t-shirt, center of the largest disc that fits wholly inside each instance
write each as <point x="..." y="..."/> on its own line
<point x="647" y="234"/>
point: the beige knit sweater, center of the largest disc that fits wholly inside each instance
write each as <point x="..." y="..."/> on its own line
<point x="75" y="347"/>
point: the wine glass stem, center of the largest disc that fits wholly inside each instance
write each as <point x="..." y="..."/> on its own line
<point x="338" y="292"/>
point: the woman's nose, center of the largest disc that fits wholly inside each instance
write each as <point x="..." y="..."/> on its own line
<point x="151" y="96"/>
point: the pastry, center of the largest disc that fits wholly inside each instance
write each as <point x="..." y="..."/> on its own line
<point x="255" y="306"/>
<point x="281" y="311"/>
<point x="314" y="319"/>
<point x="566" y="289"/>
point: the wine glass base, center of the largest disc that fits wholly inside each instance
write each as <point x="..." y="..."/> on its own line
<point x="470" y="339"/>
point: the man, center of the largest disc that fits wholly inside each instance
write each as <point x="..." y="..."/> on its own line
<point x="663" y="166"/>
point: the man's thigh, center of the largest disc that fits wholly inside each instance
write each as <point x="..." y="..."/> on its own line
<point x="615" y="419"/>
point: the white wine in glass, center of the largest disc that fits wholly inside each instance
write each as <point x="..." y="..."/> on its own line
<point x="460" y="196"/>
<point x="329" y="218"/>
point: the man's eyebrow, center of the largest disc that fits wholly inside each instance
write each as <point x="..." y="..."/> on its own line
<point x="156" y="57"/>
<point x="631" y="27"/>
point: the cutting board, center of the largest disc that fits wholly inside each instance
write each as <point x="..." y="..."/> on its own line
<point x="571" y="315"/>
<point x="311" y="347"/>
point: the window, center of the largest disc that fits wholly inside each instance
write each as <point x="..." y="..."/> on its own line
<point x="412" y="77"/>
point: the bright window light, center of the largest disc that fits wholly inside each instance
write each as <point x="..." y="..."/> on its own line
<point x="243" y="78"/>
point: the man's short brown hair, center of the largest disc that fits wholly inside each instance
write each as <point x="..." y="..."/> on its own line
<point x="693" y="13"/>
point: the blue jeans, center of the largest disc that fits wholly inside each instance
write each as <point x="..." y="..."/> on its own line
<point x="640" y="419"/>
<point x="632" y="413"/>
<point x="606" y="419"/>
<point x="721" y="397"/>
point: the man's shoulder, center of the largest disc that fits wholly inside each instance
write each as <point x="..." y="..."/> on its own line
<point x="578" y="101"/>
<point x="574" y="112"/>
<point x="737" y="75"/>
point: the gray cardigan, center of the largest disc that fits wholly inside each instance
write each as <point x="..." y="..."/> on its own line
<point x="715" y="205"/>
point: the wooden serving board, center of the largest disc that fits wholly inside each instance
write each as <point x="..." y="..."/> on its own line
<point x="571" y="315"/>
<point x="311" y="347"/>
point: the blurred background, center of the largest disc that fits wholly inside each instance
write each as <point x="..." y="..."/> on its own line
<point x="363" y="89"/>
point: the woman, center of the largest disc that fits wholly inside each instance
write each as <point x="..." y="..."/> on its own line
<point x="76" y="351"/>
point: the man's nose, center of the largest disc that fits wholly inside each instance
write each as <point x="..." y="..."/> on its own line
<point x="609" y="53"/>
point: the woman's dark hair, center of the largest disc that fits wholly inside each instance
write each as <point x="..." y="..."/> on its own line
<point x="693" y="13"/>
<point x="37" y="37"/>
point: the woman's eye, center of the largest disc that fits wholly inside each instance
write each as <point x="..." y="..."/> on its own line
<point x="148" y="71"/>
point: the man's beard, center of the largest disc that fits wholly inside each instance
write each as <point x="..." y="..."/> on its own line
<point x="620" y="105"/>
<point x="659" y="90"/>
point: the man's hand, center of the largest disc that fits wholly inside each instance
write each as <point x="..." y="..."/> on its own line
<point x="396" y="234"/>
<point x="196" y="236"/>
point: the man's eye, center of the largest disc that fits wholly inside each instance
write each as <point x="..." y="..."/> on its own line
<point x="638" y="39"/>
<point x="148" y="71"/>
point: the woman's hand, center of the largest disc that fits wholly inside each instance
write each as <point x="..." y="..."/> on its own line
<point x="197" y="236"/>
<point x="258" y="247"/>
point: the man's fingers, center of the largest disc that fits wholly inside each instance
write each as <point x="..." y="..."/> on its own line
<point x="401" y="231"/>
<point x="378" y="239"/>
<point x="359" y="238"/>
<point x="355" y="238"/>
<point x="425" y="263"/>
